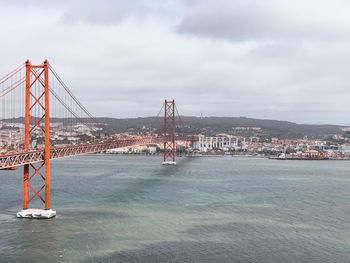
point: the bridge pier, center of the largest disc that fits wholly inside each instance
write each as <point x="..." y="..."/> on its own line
<point x="33" y="213"/>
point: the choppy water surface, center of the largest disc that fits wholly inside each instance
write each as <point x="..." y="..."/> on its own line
<point x="217" y="209"/>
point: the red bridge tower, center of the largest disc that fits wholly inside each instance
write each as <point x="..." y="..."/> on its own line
<point x="37" y="117"/>
<point x="169" y="127"/>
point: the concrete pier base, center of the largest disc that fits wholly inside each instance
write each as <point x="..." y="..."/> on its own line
<point x="169" y="163"/>
<point x="36" y="214"/>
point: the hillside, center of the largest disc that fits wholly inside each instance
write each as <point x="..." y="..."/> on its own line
<point x="232" y="125"/>
<point x="211" y="126"/>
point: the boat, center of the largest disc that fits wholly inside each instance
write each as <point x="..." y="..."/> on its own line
<point x="307" y="155"/>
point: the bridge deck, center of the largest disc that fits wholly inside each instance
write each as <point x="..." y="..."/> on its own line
<point x="27" y="157"/>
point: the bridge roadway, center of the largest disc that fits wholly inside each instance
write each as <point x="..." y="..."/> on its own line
<point x="28" y="157"/>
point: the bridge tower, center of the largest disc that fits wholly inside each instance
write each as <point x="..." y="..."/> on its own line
<point x="37" y="118"/>
<point x="169" y="125"/>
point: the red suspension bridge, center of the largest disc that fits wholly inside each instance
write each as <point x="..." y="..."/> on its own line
<point x="43" y="120"/>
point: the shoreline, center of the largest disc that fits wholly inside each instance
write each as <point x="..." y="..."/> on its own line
<point x="215" y="155"/>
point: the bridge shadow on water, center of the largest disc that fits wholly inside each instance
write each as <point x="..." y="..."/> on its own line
<point x="151" y="185"/>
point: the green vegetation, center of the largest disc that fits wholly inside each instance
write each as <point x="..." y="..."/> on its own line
<point x="210" y="126"/>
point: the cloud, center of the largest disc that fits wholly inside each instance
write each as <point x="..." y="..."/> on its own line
<point x="246" y="20"/>
<point x="113" y="12"/>
<point x="266" y="59"/>
<point x="107" y="12"/>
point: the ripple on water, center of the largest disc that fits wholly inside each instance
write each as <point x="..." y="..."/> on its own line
<point x="132" y="209"/>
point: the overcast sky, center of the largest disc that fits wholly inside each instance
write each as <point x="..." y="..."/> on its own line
<point x="273" y="59"/>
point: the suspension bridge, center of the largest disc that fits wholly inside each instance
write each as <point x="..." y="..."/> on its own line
<point x="42" y="120"/>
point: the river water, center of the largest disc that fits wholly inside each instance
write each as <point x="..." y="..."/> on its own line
<point x="205" y="209"/>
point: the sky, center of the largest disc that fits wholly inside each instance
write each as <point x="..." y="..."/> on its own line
<point x="269" y="59"/>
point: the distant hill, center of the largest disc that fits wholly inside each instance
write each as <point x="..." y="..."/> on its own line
<point x="231" y="125"/>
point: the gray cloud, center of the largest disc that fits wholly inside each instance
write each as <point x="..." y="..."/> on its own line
<point x="266" y="59"/>
<point x="113" y="12"/>
<point x="107" y="12"/>
<point x="245" y="20"/>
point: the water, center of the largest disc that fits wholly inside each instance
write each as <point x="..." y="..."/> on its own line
<point x="215" y="209"/>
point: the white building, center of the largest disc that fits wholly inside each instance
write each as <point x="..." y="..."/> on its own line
<point x="207" y="143"/>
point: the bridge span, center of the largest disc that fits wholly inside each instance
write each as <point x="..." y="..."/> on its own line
<point x="51" y="113"/>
